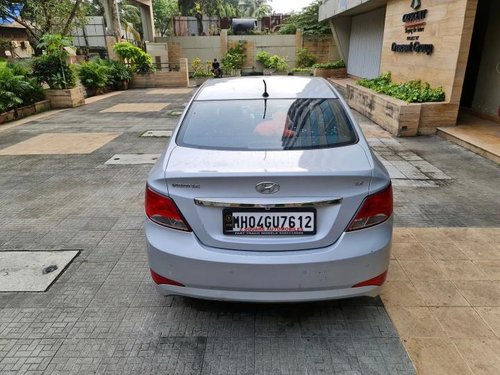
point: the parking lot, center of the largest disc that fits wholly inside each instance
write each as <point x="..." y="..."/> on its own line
<point x="72" y="182"/>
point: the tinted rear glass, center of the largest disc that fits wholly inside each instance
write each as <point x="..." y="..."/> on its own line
<point x="273" y="124"/>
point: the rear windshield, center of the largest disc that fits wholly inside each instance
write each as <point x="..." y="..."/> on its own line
<point x="272" y="124"/>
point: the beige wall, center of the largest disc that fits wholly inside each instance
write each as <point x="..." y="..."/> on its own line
<point x="210" y="47"/>
<point x="449" y="29"/>
<point x="487" y="94"/>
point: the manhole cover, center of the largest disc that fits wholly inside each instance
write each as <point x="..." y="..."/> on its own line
<point x="130" y="159"/>
<point x="32" y="271"/>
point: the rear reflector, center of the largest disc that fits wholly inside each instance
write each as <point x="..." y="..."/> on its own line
<point x="162" y="210"/>
<point x="376" y="281"/>
<point x="375" y="209"/>
<point x="158" y="279"/>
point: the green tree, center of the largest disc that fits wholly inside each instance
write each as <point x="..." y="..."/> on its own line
<point x="307" y="20"/>
<point x="163" y="11"/>
<point x="130" y="19"/>
<point x="41" y="17"/>
<point x="254" y="8"/>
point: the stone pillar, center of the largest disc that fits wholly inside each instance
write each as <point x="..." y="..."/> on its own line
<point x="223" y="42"/>
<point x="299" y="39"/>
<point x="148" y="25"/>
<point x="184" y="69"/>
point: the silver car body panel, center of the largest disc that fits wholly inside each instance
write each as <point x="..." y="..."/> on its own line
<point x="202" y="182"/>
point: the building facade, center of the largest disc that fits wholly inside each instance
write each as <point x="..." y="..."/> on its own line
<point x="450" y="43"/>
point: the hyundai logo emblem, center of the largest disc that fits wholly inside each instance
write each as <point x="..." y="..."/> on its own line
<point x="415" y="4"/>
<point x="267" y="188"/>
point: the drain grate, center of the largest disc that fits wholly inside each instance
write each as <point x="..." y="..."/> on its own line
<point x="32" y="271"/>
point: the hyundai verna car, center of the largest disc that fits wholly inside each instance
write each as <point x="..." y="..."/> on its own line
<point x="268" y="192"/>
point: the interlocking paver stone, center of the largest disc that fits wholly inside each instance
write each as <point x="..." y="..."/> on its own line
<point x="103" y="315"/>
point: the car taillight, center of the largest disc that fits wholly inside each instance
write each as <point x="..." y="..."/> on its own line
<point x="375" y="209"/>
<point x="162" y="210"/>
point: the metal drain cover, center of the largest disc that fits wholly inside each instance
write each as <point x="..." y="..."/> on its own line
<point x="32" y="271"/>
<point x="157" y="133"/>
<point x="130" y="159"/>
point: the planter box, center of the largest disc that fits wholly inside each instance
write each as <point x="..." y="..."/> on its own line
<point x="302" y="74"/>
<point x="7" y="116"/>
<point x="333" y="73"/>
<point x="19" y="113"/>
<point x="201" y="80"/>
<point x="394" y="115"/>
<point x="233" y="73"/>
<point x="66" y="98"/>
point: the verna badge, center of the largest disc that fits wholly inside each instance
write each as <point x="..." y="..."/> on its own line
<point x="267" y="188"/>
<point x="415" y="4"/>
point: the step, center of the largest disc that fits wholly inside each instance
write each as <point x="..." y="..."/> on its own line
<point x="483" y="140"/>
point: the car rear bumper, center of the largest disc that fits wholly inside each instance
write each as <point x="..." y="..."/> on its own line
<point x="282" y="276"/>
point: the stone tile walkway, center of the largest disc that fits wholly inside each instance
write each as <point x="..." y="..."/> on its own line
<point x="102" y="315"/>
<point x="443" y="296"/>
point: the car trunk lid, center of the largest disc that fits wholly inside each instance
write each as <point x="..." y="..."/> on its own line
<point x="332" y="182"/>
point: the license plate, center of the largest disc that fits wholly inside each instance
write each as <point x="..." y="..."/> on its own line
<point x="269" y="222"/>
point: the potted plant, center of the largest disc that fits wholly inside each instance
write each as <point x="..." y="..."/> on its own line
<point x="95" y="76"/>
<point x="201" y="72"/>
<point x="305" y="59"/>
<point x="121" y="75"/>
<point x="18" y="93"/>
<point x="335" y="69"/>
<point x="273" y="64"/>
<point x="278" y="65"/>
<point x="53" y="70"/>
<point x="263" y="58"/>
<point x="233" y="59"/>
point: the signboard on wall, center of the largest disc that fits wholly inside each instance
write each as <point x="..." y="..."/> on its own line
<point x="414" y="23"/>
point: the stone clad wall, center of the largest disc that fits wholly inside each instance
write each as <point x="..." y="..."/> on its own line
<point x="448" y="26"/>
<point x="162" y="79"/>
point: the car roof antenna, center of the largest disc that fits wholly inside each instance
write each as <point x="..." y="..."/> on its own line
<point x="265" y="94"/>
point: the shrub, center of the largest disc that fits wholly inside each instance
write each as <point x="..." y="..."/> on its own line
<point x="288" y="29"/>
<point x="305" y="59"/>
<point x="95" y="74"/>
<point x="277" y="63"/>
<point x="201" y="70"/>
<point x="139" y="60"/>
<point x="339" y="64"/>
<point x="17" y="91"/>
<point x="302" y="70"/>
<point x="263" y="57"/>
<point x="53" y="71"/>
<point x="414" y="91"/>
<point x="234" y="57"/>
<point x="274" y="62"/>
<point x="119" y="72"/>
<point x="20" y="67"/>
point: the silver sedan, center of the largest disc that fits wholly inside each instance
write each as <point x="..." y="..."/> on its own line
<point x="268" y="192"/>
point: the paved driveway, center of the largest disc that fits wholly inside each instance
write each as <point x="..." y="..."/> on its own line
<point x="74" y="180"/>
